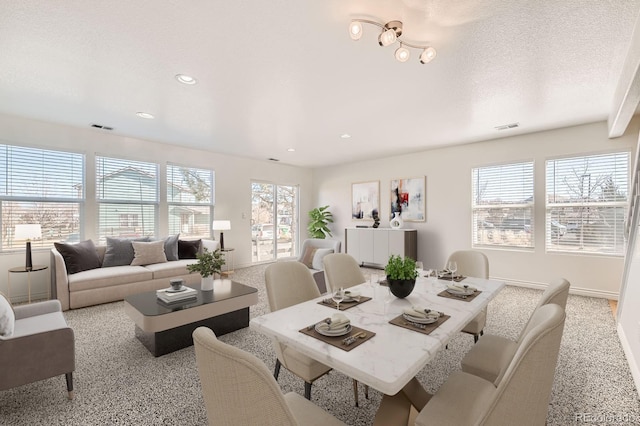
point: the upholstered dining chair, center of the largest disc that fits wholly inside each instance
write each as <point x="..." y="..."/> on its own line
<point x="491" y="356"/>
<point x="342" y="270"/>
<point x="239" y="390"/>
<point x="472" y="263"/>
<point x="521" y="396"/>
<point x="40" y="345"/>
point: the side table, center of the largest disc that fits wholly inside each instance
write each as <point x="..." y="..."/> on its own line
<point x="22" y="270"/>
<point x="228" y="260"/>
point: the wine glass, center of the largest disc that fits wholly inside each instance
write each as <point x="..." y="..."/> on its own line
<point x="338" y="296"/>
<point x="452" y="266"/>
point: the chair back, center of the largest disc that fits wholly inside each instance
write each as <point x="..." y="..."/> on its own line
<point x="557" y="293"/>
<point x="236" y="386"/>
<point x="289" y="283"/>
<point x="471" y="263"/>
<point x="320" y="243"/>
<point x="524" y="390"/>
<point x="342" y="270"/>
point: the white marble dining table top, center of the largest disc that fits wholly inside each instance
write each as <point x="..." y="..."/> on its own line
<point x="395" y="354"/>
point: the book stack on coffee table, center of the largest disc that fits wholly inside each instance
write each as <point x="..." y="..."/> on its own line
<point x="170" y="296"/>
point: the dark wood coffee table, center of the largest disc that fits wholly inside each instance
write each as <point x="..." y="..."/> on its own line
<point x="163" y="329"/>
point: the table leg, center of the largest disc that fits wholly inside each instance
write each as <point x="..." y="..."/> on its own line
<point x="396" y="409"/>
<point x="9" y="286"/>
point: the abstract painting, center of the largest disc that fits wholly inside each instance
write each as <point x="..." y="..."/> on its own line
<point x="365" y="200"/>
<point x="408" y="196"/>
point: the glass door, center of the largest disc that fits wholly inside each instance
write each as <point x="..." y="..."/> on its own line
<point x="274" y="221"/>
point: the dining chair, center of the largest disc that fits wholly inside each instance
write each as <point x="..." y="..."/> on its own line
<point x="521" y="396"/>
<point x="472" y="263"/>
<point x="287" y="284"/>
<point x="239" y="390"/>
<point x="342" y="270"/>
<point x="491" y="356"/>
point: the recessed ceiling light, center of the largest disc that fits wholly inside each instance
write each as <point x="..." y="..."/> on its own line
<point x="145" y="115"/>
<point x="186" y="79"/>
<point x="507" y="126"/>
<point x="291" y="150"/>
<point x="345" y="136"/>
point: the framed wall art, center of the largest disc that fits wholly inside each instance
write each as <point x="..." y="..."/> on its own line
<point x="408" y="197"/>
<point x="365" y="200"/>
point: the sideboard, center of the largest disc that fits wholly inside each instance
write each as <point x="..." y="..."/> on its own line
<point x="373" y="246"/>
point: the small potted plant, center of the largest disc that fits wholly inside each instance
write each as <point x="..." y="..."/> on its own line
<point x="319" y="219"/>
<point x="401" y="275"/>
<point x="209" y="263"/>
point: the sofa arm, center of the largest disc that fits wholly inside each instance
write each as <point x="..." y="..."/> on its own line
<point x="40" y="308"/>
<point x="59" y="279"/>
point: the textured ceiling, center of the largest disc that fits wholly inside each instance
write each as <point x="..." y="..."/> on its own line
<point x="284" y="74"/>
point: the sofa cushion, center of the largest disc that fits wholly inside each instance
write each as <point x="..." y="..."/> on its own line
<point x="147" y="253"/>
<point x="171" y="247"/>
<point x="79" y="257"/>
<point x="188" y="249"/>
<point x="307" y="256"/>
<point x="120" y="251"/>
<point x="107" y="277"/>
<point x="7" y="317"/>
<point x="170" y="269"/>
<point x="39" y="324"/>
<point x="318" y="256"/>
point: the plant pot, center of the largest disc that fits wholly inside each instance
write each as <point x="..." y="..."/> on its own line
<point x="401" y="288"/>
<point x="206" y="284"/>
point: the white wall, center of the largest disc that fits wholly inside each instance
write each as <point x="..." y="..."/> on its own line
<point x="232" y="174"/>
<point x="448" y="224"/>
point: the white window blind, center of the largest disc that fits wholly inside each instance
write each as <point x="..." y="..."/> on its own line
<point x="127" y="193"/>
<point x="503" y="205"/>
<point x="190" y="199"/>
<point x="587" y="200"/>
<point x="39" y="186"/>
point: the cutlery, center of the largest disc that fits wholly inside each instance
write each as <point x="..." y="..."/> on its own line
<point x="415" y="324"/>
<point x="351" y="339"/>
<point x="427" y="311"/>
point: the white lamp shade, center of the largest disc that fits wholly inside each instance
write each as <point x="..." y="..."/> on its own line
<point x="427" y="55"/>
<point x="221" y="225"/>
<point x="387" y="37"/>
<point x="28" y="231"/>
<point x="355" y="30"/>
<point x="402" y="54"/>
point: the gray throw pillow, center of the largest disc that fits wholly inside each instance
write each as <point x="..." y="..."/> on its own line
<point x="120" y="251"/>
<point x="171" y="247"/>
<point x="148" y="253"/>
<point x="79" y="257"/>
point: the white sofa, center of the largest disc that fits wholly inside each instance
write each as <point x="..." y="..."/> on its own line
<point x="104" y="285"/>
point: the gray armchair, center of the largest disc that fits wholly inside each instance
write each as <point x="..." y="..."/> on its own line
<point x="42" y="346"/>
<point x="313" y="258"/>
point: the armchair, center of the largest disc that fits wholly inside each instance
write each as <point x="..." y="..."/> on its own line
<point x="312" y="253"/>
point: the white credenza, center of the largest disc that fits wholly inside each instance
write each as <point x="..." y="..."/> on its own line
<point x="373" y="246"/>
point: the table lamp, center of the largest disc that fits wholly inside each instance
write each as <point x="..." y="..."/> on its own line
<point x="28" y="232"/>
<point x="221" y="225"/>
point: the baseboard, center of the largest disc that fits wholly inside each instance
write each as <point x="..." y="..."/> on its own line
<point x="580" y="291"/>
<point x="633" y="364"/>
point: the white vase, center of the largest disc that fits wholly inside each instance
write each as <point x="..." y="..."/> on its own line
<point x="206" y="284"/>
<point x="396" y="221"/>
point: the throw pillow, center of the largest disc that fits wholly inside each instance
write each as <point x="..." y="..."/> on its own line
<point x="148" y="253"/>
<point x="188" y="249"/>
<point x="7" y="317"/>
<point x="317" y="258"/>
<point x="307" y="256"/>
<point x="79" y="257"/>
<point x="171" y="247"/>
<point x="120" y="251"/>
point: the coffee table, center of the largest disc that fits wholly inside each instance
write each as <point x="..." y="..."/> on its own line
<point x="163" y="329"/>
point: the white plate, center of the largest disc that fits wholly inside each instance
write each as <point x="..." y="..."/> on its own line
<point x="334" y="333"/>
<point x="467" y="292"/>
<point x="171" y="290"/>
<point x="428" y="320"/>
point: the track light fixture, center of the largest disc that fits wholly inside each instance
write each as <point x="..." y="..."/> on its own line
<point x="390" y="33"/>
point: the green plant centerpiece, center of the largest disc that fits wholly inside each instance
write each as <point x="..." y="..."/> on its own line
<point x="319" y="220"/>
<point x="401" y="275"/>
<point x="209" y="263"/>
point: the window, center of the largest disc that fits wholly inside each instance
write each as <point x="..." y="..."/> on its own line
<point x="587" y="203"/>
<point x="503" y="205"/>
<point x="127" y="193"/>
<point x="43" y="187"/>
<point x="274" y="221"/>
<point x="190" y="199"/>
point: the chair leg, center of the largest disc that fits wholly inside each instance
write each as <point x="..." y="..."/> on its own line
<point x="366" y="391"/>
<point x="355" y="391"/>
<point x="69" y="378"/>
<point x="475" y="338"/>
<point x="276" y="372"/>
<point x="307" y="390"/>
<point x="482" y="332"/>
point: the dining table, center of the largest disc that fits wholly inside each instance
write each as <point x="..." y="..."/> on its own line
<point x="395" y="354"/>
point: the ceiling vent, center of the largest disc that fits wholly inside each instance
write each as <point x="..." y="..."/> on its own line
<point x="272" y="159"/>
<point x="100" y="126"/>
<point x="507" y="126"/>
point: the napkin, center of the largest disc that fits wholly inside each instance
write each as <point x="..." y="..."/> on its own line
<point x="420" y="312"/>
<point x="461" y="287"/>
<point x="338" y="321"/>
<point x="352" y="293"/>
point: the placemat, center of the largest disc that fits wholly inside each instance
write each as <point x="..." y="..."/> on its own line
<point x="344" y="305"/>
<point x="338" y="341"/>
<point x="445" y="293"/>
<point x="448" y="278"/>
<point x="421" y="328"/>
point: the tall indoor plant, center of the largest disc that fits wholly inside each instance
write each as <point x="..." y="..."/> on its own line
<point x="209" y="263"/>
<point x="401" y="275"/>
<point x="319" y="219"/>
